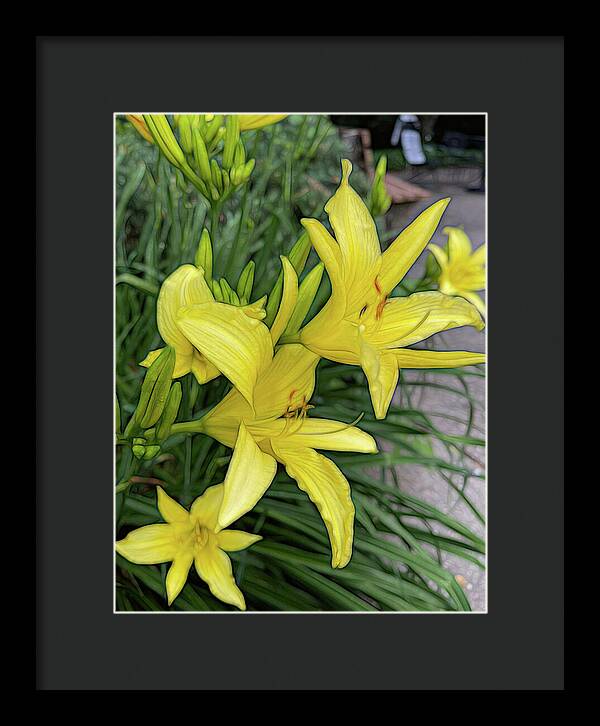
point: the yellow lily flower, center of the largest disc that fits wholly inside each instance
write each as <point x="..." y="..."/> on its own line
<point x="210" y="337"/>
<point x="360" y="324"/>
<point x="462" y="270"/>
<point x="257" y="121"/>
<point x="190" y="537"/>
<point x="278" y="430"/>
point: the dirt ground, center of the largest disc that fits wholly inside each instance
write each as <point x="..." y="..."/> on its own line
<point x="467" y="208"/>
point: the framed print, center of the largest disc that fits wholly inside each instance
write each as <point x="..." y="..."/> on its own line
<point x="290" y="393"/>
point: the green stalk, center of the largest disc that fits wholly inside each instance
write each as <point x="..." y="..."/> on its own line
<point x="187" y="479"/>
<point x="243" y="212"/>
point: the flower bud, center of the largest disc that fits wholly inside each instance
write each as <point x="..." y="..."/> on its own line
<point x="298" y="256"/>
<point x="163" y="136"/>
<point x="155" y="389"/>
<point x="151" y="452"/>
<point x="245" y="283"/>
<point x="201" y="155"/>
<point x="379" y="199"/>
<point x="232" y="136"/>
<point x="185" y="133"/>
<point x="169" y="414"/>
<point x="204" y="254"/>
<point x="306" y="296"/>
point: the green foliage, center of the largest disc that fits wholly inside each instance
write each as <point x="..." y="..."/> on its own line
<point x="397" y="563"/>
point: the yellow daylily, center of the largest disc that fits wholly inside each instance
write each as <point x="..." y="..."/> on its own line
<point x="360" y="324"/>
<point x="278" y="430"/>
<point x="462" y="271"/>
<point x="257" y="121"/>
<point x="210" y="337"/>
<point x="190" y="537"/>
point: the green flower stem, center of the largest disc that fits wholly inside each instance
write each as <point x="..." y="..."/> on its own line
<point x="215" y="213"/>
<point x="293" y="338"/>
<point x="187" y="479"/>
<point x="187" y="427"/>
<point x="129" y="466"/>
<point x="243" y="212"/>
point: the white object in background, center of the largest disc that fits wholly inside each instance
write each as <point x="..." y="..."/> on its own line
<point x="411" y="146"/>
<point x="406" y="130"/>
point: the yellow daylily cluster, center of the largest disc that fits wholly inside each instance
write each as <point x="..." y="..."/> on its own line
<point x="264" y="417"/>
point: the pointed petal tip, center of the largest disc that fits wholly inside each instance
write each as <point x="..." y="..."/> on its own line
<point x="346" y="171"/>
<point x="339" y="562"/>
<point x="308" y="222"/>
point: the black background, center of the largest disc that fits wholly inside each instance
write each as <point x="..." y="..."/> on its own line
<point x="519" y="643"/>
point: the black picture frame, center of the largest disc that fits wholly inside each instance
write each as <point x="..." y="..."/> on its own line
<point x="81" y="82"/>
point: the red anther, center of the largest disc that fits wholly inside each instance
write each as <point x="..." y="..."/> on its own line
<point x="377" y="285"/>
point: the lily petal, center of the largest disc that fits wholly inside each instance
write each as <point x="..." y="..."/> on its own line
<point x="381" y="370"/>
<point x="410" y="319"/>
<point x="411" y="358"/>
<point x="328" y="489"/>
<point x="222" y="422"/>
<point x="250" y="121"/>
<point x="479" y="255"/>
<point x="289" y="378"/>
<point x="214" y="567"/>
<point x="238" y="345"/>
<point x="476" y="300"/>
<point x="459" y="245"/>
<point x="184" y="362"/>
<point x="289" y="298"/>
<point x="170" y="510"/>
<point x="248" y="477"/>
<point x="149" y="545"/>
<point x="185" y="286"/>
<point x="178" y="574"/>
<point x="202" y="369"/>
<point x="205" y="508"/>
<point x="233" y="540"/>
<point x="331" y="337"/>
<point x="322" y="433"/>
<point x="328" y="250"/>
<point x="440" y="255"/>
<point x="356" y="235"/>
<point x="400" y="256"/>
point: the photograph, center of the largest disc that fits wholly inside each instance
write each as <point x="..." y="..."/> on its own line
<point x="300" y="326"/>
